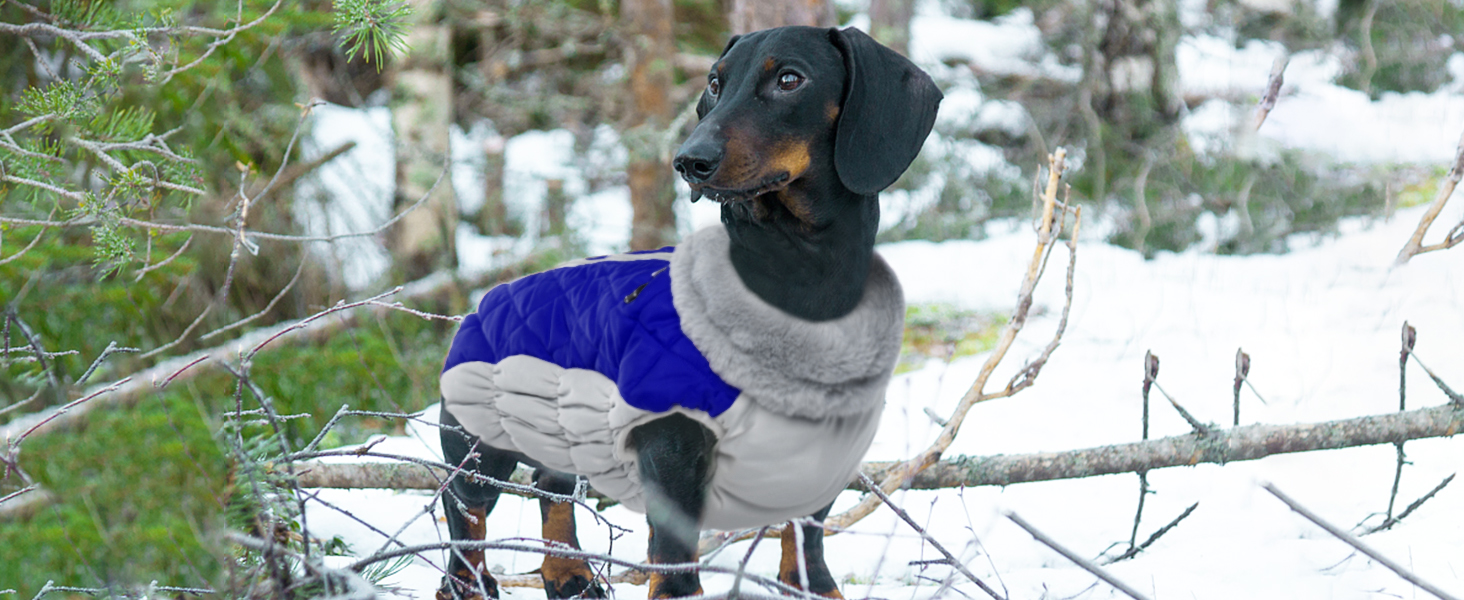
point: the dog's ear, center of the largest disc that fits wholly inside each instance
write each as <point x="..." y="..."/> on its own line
<point x="704" y="105"/>
<point x="889" y="108"/>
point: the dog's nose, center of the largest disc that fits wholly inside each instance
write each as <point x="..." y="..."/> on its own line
<point x="696" y="163"/>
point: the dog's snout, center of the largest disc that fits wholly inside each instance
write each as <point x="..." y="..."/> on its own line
<point x="696" y="162"/>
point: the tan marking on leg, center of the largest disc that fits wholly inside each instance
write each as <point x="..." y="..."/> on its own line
<point x="560" y="527"/>
<point x="788" y="564"/>
<point x="477" y="530"/>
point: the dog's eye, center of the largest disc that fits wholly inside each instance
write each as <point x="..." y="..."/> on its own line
<point x="789" y="81"/>
<point x="714" y="86"/>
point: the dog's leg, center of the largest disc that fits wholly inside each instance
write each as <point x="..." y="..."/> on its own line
<point x="466" y="505"/>
<point x="563" y="577"/>
<point x="675" y="455"/>
<point x="820" y="580"/>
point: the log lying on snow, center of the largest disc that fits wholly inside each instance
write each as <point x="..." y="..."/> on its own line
<point x="1218" y="446"/>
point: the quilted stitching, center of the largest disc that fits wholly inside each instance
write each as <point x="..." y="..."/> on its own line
<point x="576" y="317"/>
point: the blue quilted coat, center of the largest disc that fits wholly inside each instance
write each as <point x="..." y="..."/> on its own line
<point x="609" y="314"/>
<point x="563" y="364"/>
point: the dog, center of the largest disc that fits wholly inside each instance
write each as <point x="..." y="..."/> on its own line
<point x="733" y="381"/>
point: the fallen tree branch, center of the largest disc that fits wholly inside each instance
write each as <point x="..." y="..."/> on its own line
<point x="1251" y="442"/>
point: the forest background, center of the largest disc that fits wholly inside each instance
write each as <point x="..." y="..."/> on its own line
<point x="164" y="192"/>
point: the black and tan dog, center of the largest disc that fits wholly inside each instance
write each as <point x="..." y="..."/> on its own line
<point x="787" y="305"/>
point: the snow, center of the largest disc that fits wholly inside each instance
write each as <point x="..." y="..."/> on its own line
<point x="1322" y="328"/>
<point x="1321" y="325"/>
<point x="352" y="192"/>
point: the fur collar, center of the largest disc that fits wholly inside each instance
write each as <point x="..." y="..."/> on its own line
<point x="782" y="363"/>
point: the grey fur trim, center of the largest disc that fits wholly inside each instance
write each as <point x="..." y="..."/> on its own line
<point x="785" y="364"/>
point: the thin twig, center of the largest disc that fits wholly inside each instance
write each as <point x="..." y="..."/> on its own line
<point x="1086" y="564"/>
<point x="1135" y="550"/>
<point x="36" y="240"/>
<point x="1446" y="189"/>
<point x="976" y="393"/>
<point x="268" y="307"/>
<point x="1391" y="521"/>
<point x="1242" y="370"/>
<point x="1273" y="90"/>
<point x="1199" y="427"/>
<point x="1454" y="397"/>
<point x="951" y="559"/>
<point x="742" y="566"/>
<point x="1356" y="543"/>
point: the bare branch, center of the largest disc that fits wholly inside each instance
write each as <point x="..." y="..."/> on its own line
<point x="1046" y="236"/>
<point x="1135" y="550"/>
<point x="1273" y="90"/>
<point x="1446" y="189"/>
<point x="1357" y="544"/>
<point x="950" y="559"/>
<point x="1252" y="442"/>
<point x="40" y="234"/>
<point x="1392" y="520"/>
<point x="1199" y="427"/>
<point x="1086" y="564"/>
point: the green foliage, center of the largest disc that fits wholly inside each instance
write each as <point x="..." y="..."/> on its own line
<point x="145" y="492"/>
<point x="945" y="332"/>
<point x="1268" y="203"/>
<point x="388" y="364"/>
<point x="70" y="308"/>
<point x="1400" y="46"/>
<point x="139" y="497"/>
<point x="63" y="100"/>
<point x="373" y="25"/>
<point x="89" y="13"/>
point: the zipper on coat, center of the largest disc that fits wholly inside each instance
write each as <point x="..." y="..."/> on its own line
<point x="636" y="294"/>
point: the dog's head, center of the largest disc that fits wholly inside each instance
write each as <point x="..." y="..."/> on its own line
<point x="793" y="109"/>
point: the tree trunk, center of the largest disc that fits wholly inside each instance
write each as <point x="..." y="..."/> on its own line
<point x="1133" y="77"/>
<point x="421" y="114"/>
<point x="889" y="22"/>
<point x="751" y="15"/>
<point x="649" y="54"/>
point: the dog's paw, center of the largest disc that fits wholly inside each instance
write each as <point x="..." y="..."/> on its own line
<point x="569" y="578"/>
<point x="462" y="585"/>
<point x="673" y="585"/>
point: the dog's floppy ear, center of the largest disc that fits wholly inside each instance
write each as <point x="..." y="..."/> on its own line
<point x="889" y="108"/>
<point x="704" y="105"/>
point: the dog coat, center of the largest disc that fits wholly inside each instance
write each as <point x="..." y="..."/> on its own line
<point x="563" y="364"/>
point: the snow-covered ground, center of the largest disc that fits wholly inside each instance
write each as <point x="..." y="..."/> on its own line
<point x="1321" y="325"/>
